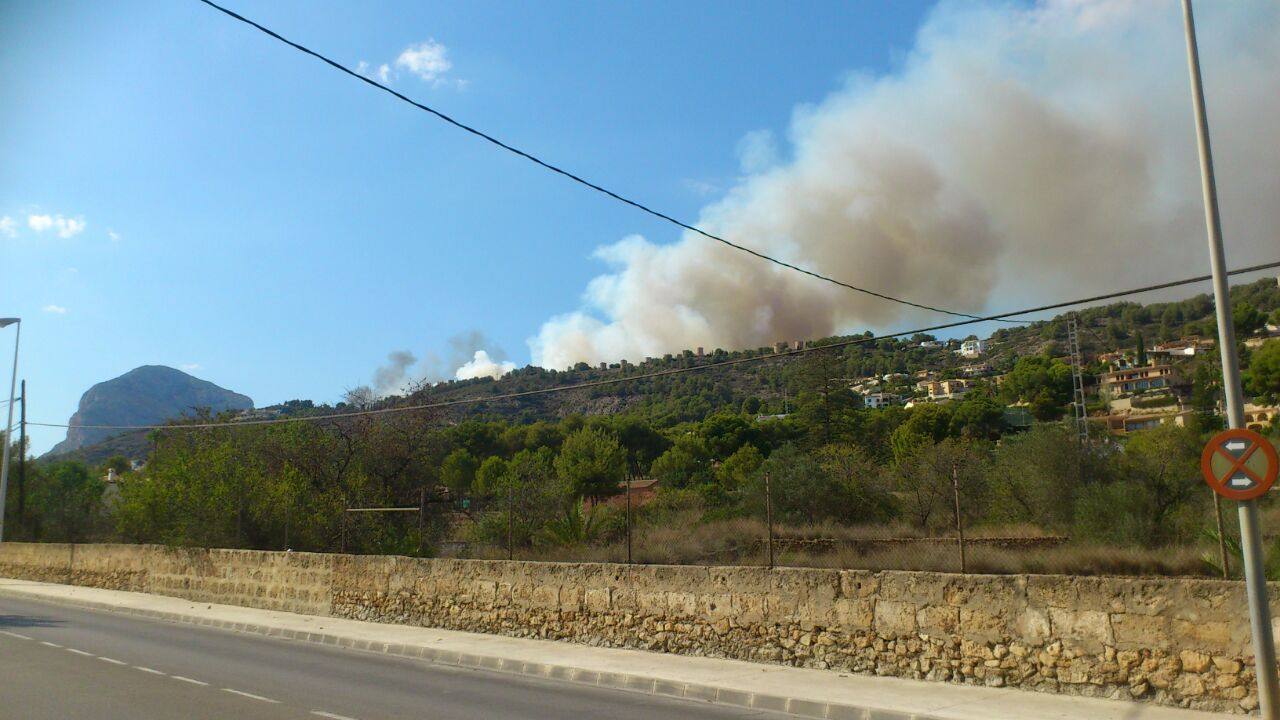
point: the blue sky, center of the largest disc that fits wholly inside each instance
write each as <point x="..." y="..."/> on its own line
<point x="278" y="228"/>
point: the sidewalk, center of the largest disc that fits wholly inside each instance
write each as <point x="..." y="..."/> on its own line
<point x="808" y="693"/>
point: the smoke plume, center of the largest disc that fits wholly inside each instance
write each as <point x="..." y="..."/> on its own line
<point x="1018" y="152"/>
<point x="471" y="355"/>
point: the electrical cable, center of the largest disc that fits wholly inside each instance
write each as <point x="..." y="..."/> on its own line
<point x="669" y="372"/>
<point x="573" y="176"/>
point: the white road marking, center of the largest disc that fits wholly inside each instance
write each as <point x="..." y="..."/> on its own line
<point x="147" y="670"/>
<point x="14" y="635"/>
<point x="113" y="661"/>
<point x="188" y="680"/>
<point x="251" y="696"/>
<point x="331" y="716"/>
<point x="80" y="652"/>
<point x="46" y="642"/>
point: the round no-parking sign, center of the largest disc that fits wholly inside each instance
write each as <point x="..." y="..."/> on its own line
<point x="1239" y="464"/>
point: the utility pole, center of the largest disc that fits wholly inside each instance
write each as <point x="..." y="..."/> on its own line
<point x="629" y="476"/>
<point x="8" y="426"/>
<point x="768" y="515"/>
<point x="1077" y="381"/>
<point x="22" y="455"/>
<point x="1264" y="650"/>
<point x="955" y="491"/>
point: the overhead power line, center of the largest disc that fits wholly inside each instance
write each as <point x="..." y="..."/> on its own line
<point x="672" y="371"/>
<point x="574" y="176"/>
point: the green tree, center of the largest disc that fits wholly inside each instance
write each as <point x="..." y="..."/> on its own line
<point x="1263" y="376"/>
<point x="1157" y="496"/>
<point x="1246" y="319"/>
<point x="927" y="424"/>
<point x="64" y="502"/>
<point x="686" y="463"/>
<point x="926" y="480"/>
<point x="458" y="472"/>
<point x="592" y="463"/>
<point x="737" y="469"/>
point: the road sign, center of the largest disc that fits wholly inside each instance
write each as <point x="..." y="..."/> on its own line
<point x="1239" y="464"/>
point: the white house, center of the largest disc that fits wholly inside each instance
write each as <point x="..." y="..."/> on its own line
<point x="972" y="348"/>
<point x="877" y="400"/>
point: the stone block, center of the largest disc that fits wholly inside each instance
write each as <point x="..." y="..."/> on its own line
<point x="895" y="618"/>
<point x="1087" y="629"/>
<point x="1140" y="631"/>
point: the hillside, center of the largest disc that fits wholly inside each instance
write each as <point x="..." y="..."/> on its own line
<point x="146" y="395"/>
<point x="770" y="385"/>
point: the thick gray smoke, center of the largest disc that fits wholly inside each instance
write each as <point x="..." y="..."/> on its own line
<point x="471" y="355"/>
<point x="1018" y="152"/>
<point x="390" y="379"/>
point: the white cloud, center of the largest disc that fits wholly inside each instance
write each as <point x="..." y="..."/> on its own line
<point x="8" y="226"/>
<point x="481" y="365"/>
<point x="64" y="226"/>
<point x="191" y="367"/>
<point x="55" y="309"/>
<point x="381" y="73"/>
<point x="428" y="60"/>
<point x="115" y="236"/>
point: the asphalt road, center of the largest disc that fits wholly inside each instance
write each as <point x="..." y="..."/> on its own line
<point x="64" y="663"/>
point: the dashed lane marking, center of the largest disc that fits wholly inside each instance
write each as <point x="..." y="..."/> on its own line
<point x="46" y="642"/>
<point x="251" y="696"/>
<point x="189" y="680"/>
<point x="113" y="661"/>
<point x="14" y="635"/>
<point x="147" y="670"/>
<point x="331" y="716"/>
<point x="80" y="652"/>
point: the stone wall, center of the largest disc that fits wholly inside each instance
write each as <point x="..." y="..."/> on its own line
<point x="1173" y="641"/>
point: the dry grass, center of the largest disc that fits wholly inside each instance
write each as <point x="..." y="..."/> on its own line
<point x="683" y="540"/>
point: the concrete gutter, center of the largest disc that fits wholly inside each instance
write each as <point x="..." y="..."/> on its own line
<point x="803" y="692"/>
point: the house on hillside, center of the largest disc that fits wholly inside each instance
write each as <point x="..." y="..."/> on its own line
<point x="1186" y="347"/>
<point x="643" y="491"/>
<point x="1131" y="380"/>
<point x="944" y="390"/>
<point x="1125" y="423"/>
<point x="972" y="348"/>
<point x="877" y="400"/>
<point x="1259" y="417"/>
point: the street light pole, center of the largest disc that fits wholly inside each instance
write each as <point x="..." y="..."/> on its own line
<point x="8" y="427"/>
<point x="1264" y="650"/>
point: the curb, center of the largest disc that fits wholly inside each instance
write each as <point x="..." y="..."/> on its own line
<point x="615" y="681"/>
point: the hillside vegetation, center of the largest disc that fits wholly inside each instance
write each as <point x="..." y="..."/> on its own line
<point x="729" y="447"/>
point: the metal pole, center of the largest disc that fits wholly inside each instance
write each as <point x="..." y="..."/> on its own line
<point x="8" y="426"/>
<point x="22" y="455"/>
<point x="511" y="522"/>
<point x="768" y="515"/>
<point x="422" y="518"/>
<point x="628" y="520"/>
<point x="955" y="490"/>
<point x="1264" y="649"/>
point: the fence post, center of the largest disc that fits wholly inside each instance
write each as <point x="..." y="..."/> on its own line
<point x="629" y="519"/>
<point x="422" y="518"/>
<point x="768" y="515"/>
<point x="955" y="489"/>
<point x="511" y="523"/>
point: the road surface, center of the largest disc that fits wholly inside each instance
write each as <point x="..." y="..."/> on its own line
<point x="65" y="664"/>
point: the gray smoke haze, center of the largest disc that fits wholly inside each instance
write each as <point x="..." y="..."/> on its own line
<point x="1017" y="153"/>
<point x="471" y="354"/>
<point x="390" y="379"/>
